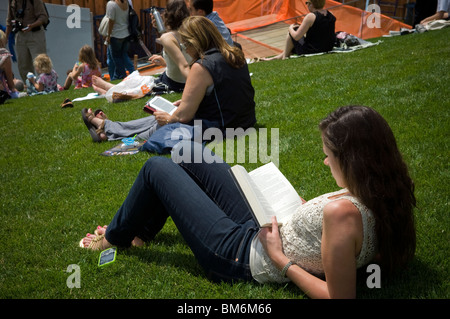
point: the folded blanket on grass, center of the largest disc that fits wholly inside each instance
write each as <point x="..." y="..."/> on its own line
<point x="357" y="44"/>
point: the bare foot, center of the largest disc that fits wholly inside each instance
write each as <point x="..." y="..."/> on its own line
<point x="137" y="242"/>
<point x="100" y="83"/>
<point x="101" y="230"/>
<point x="96" y="80"/>
<point x="98" y="89"/>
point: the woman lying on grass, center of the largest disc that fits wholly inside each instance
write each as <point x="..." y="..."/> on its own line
<point x="328" y="237"/>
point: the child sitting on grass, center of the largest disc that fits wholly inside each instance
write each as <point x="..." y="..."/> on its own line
<point x="47" y="79"/>
<point x="84" y="69"/>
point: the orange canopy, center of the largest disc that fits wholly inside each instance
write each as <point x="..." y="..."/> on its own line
<point x="241" y="15"/>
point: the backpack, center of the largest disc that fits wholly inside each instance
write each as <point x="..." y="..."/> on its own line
<point x="344" y="39"/>
<point x="133" y="25"/>
<point x="4" y="96"/>
<point x="48" y="17"/>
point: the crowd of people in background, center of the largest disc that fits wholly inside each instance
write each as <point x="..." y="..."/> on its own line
<point x="27" y="20"/>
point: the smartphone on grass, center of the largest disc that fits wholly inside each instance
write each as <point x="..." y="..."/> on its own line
<point x="107" y="256"/>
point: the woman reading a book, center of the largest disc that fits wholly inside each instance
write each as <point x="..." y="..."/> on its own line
<point x="331" y="236"/>
<point x="218" y="89"/>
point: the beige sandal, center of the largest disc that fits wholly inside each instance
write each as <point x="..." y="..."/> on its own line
<point x="100" y="129"/>
<point x="96" y="243"/>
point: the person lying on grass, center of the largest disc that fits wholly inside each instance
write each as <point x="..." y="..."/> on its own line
<point x="330" y="236"/>
<point x="218" y="88"/>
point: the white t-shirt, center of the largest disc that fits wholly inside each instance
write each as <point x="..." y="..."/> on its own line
<point x="120" y="17"/>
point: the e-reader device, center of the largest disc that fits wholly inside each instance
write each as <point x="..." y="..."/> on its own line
<point x="159" y="103"/>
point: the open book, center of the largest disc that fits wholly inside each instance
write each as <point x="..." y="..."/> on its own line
<point x="267" y="192"/>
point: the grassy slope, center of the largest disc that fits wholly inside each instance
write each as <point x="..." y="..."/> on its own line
<point x="55" y="187"/>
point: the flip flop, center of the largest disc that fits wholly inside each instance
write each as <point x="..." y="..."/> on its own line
<point x="90" y="127"/>
<point x="66" y="103"/>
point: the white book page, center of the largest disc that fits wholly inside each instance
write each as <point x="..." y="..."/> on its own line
<point x="277" y="190"/>
<point x="258" y="203"/>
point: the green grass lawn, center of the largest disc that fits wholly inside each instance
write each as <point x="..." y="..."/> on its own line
<point x="55" y="187"/>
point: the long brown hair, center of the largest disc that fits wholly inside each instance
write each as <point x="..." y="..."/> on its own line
<point x="375" y="172"/>
<point x="176" y="11"/>
<point x="87" y="55"/>
<point x="202" y="35"/>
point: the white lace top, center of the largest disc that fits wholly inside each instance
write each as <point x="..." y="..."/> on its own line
<point x="302" y="236"/>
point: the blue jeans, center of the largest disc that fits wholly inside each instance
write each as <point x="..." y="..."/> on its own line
<point x="119" y="52"/>
<point x="206" y="207"/>
<point x="164" y="84"/>
<point x="112" y="67"/>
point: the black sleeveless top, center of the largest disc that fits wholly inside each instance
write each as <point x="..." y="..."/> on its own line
<point x="321" y="36"/>
<point x="230" y="104"/>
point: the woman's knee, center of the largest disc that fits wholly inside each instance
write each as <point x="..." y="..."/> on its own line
<point x="157" y="163"/>
<point x="188" y="152"/>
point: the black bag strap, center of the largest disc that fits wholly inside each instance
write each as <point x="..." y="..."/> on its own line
<point x="24" y="5"/>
